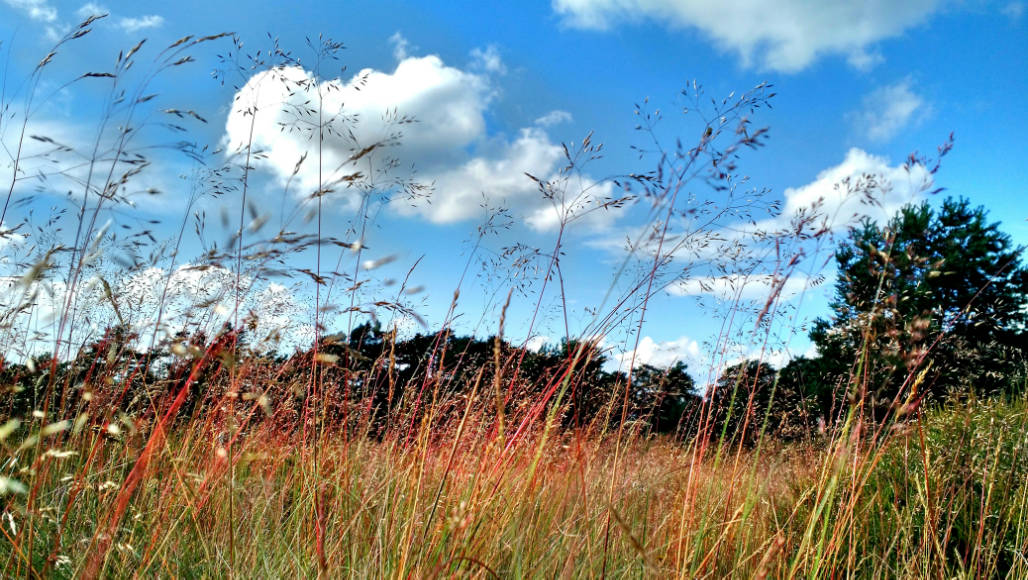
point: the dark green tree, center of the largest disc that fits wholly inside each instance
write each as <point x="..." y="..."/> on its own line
<point x="665" y="398"/>
<point x="808" y="399"/>
<point x="740" y="402"/>
<point x="930" y="306"/>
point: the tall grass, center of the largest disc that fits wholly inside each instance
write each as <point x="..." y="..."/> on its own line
<point x="456" y="502"/>
<point x="190" y="453"/>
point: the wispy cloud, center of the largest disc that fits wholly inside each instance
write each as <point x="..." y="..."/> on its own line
<point x="400" y="46"/>
<point x="9" y="238"/>
<point x="140" y="23"/>
<point x="889" y="110"/>
<point x="1014" y="11"/>
<point x="128" y="24"/>
<point x="90" y="9"/>
<point x="554" y="118"/>
<point x="38" y="10"/>
<point x="745" y="287"/>
<point x="865" y="60"/>
<point x="488" y="59"/>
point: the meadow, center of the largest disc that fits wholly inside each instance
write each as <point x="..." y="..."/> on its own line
<point x="175" y="434"/>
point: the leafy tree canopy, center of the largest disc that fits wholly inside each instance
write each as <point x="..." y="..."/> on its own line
<point x="934" y="303"/>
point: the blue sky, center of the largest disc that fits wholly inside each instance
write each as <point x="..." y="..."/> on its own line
<point x="495" y="88"/>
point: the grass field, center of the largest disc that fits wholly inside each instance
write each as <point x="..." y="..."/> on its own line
<point x="945" y="497"/>
<point x="190" y="455"/>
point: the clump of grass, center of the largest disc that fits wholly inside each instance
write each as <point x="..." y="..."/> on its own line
<point x="953" y="489"/>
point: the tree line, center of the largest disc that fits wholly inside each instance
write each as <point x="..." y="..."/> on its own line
<point x="931" y="306"/>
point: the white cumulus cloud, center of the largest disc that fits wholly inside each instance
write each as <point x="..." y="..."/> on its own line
<point x="787" y="35"/>
<point x="536" y="343"/>
<point x="431" y="115"/>
<point x="863" y="185"/>
<point x="663" y="354"/>
<point x="446" y="103"/>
